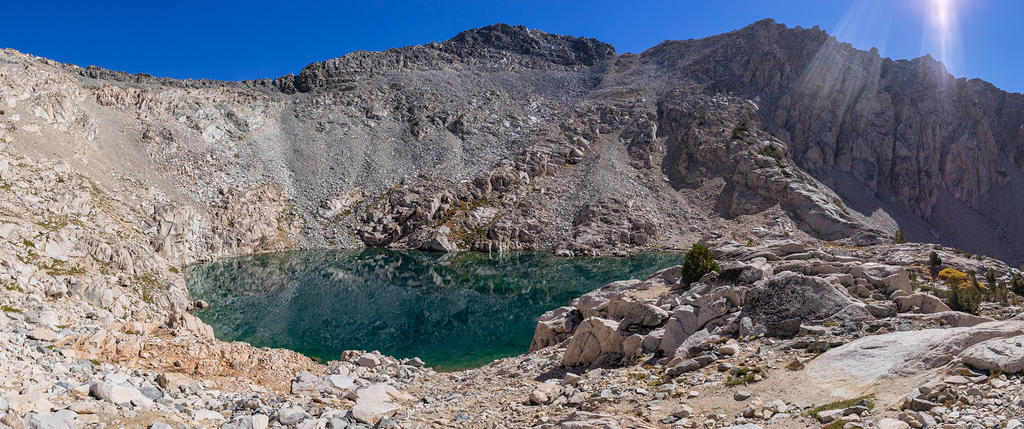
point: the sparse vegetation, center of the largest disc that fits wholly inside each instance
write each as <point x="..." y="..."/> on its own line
<point x="866" y="400"/>
<point x="996" y="291"/>
<point x="934" y="259"/>
<point x="772" y="152"/>
<point x="839" y="203"/>
<point x="899" y="237"/>
<point x="740" y="131"/>
<point x="8" y="309"/>
<point x="1017" y="283"/>
<point x="699" y="261"/>
<point x="744" y="375"/>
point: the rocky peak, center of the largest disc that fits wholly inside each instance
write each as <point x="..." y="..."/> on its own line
<point x="495" y="41"/>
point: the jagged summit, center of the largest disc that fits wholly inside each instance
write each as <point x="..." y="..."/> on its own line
<point x="553" y="48"/>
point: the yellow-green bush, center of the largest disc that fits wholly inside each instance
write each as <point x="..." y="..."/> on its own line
<point x="965" y="293"/>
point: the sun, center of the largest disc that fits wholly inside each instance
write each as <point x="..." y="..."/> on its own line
<point x="942" y="32"/>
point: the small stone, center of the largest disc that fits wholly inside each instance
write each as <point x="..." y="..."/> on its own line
<point x="206" y="415"/>
<point x="888" y="423"/>
<point x="829" y="416"/>
<point x="42" y="334"/>
<point x="543" y="394"/>
<point x="728" y="349"/>
<point x="918" y="404"/>
<point x="368" y="360"/>
<point x="119" y="394"/>
<point x="682" y="411"/>
<point x="956" y="379"/>
<point x="742" y="395"/>
<point x="255" y="421"/>
<point x="777" y="406"/>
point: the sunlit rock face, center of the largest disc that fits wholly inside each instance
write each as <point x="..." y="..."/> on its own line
<point x="452" y="311"/>
<point x="905" y="134"/>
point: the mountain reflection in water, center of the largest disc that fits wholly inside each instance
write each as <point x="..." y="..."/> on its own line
<point x="453" y="311"/>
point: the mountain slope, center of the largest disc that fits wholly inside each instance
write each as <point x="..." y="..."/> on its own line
<point x="507" y="138"/>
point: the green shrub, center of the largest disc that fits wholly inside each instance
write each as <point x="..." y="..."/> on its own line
<point x="934" y="259"/>
<point x="772" y="152"/>
<point x="899" y="237"/>
<point x="1017" y="283"/>
<point x="740" y="131"/>
<point x="699" y="261"/>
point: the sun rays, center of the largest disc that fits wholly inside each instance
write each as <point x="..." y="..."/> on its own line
<point x="941" y="32"/>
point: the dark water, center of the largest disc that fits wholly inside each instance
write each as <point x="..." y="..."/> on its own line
<point x="453" y="311"/>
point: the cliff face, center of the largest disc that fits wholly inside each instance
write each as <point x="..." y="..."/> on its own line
<point x="506" y="138"/>
<point x="903" y="131"/>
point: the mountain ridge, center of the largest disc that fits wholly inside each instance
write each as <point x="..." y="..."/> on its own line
<point x="871" y="127"/>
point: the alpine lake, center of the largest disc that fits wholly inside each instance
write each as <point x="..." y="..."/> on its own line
<point x="454" y="311"/>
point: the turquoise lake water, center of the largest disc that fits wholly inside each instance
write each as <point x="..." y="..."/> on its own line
<point x="454" y="311"/>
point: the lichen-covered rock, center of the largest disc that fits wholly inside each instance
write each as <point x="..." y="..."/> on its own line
<point x="784" y="301"/>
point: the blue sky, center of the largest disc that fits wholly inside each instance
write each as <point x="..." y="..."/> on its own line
<point x="235" y="40"/>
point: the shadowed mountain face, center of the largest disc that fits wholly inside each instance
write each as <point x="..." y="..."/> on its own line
<point x="505" y="138"/>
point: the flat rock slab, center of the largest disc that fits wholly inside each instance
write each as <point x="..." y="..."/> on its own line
<point x="858" y="367"/>
<point x="377" y="401"/>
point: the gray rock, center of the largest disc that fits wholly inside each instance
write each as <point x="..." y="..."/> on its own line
<point x="304" y="382"/>
<point x="119" y="394"/>
<point x="597" y="341"/>
<point x="898" y="355"/>
<point x="712" y="311"/>
<point x="377" y="401"/>
<point x="255" y="421"/>
<point x="554" y="327"/>
<point x="63" y="419"/>
<point x="291" y="415"/>
<point x="784" y="301"/>
<point x="1002" y="355"/>
<point x="681" y="325"/>
<point x="690" y="365"/>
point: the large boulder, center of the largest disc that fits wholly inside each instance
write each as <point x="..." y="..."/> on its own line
<point x="596" y="342"/>
<point x="187" y="324"/>
<point x="119" y="394"/>
<point x="554" y="327"/>
<point x="630" y="312"/>
<point x="595" y="302"/>
<point x="680" y="326"/>
<point x="789" y="299"/>
<point x="377" y="401"/>
<point x="440" y="242"/>
<point x="1003" y="355"/>
<point x="926" y="303"/>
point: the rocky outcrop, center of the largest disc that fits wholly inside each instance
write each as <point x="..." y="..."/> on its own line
<point x="778" y="305"/>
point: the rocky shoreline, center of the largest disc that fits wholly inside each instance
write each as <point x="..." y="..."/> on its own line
<point x="784" y="336"/>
